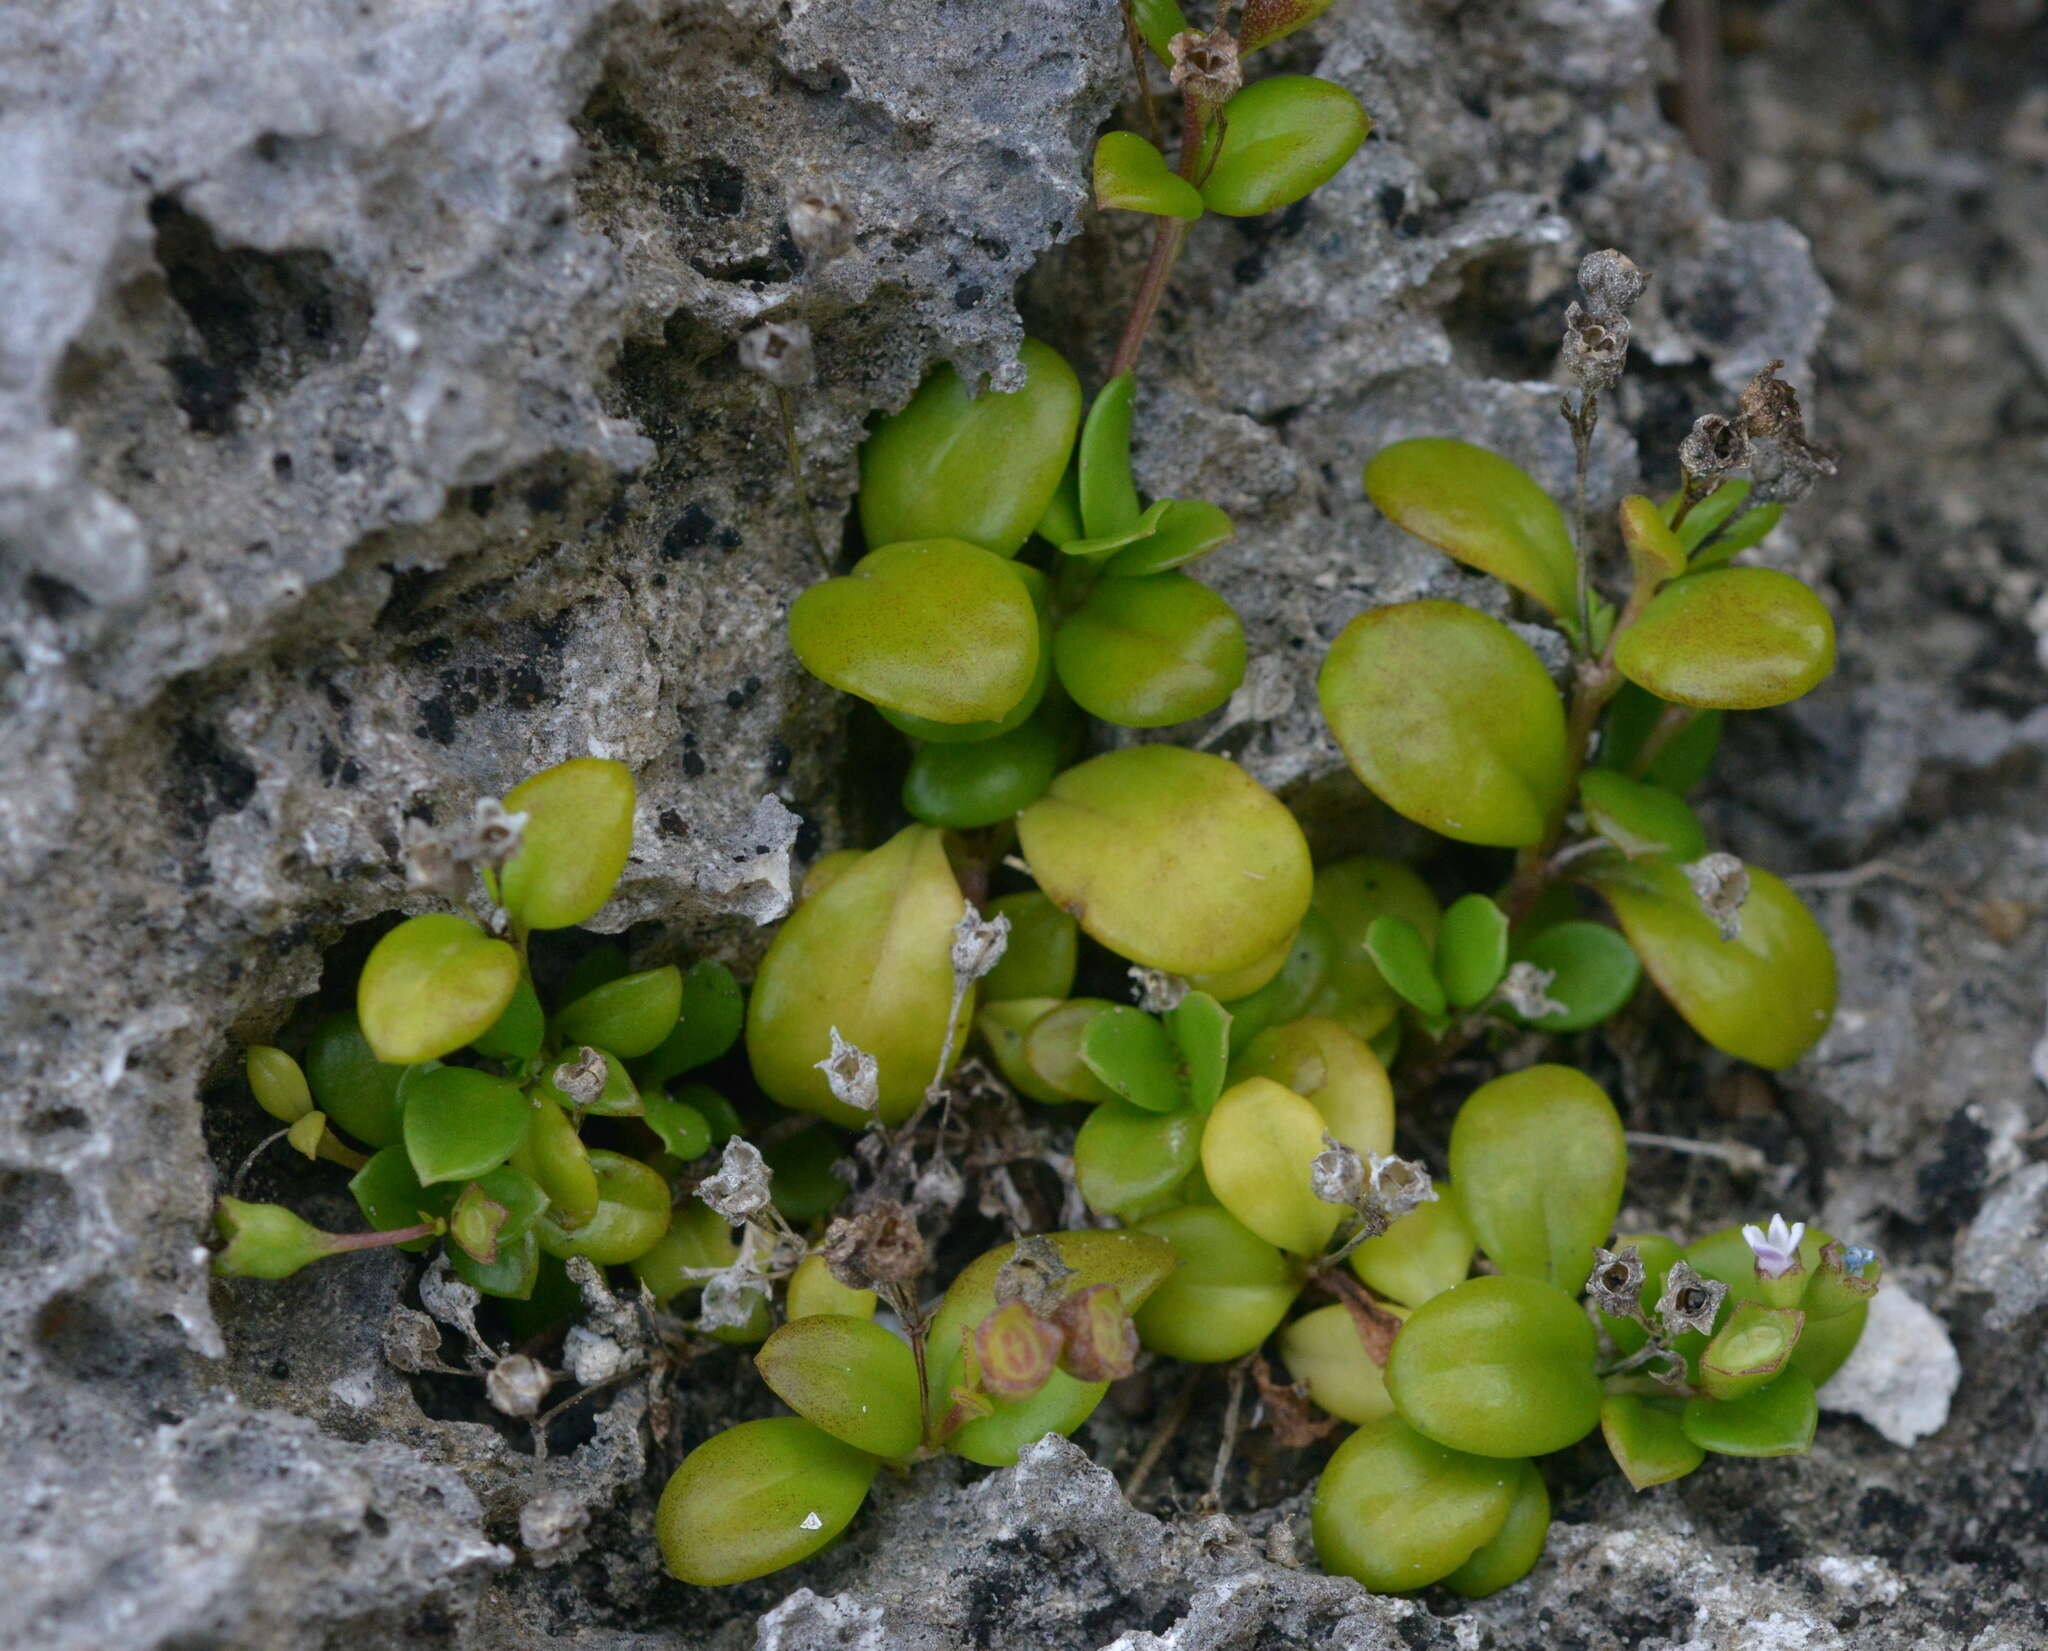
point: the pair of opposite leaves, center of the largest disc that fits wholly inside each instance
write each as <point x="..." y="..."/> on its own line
<point x="1171" y="858"/>
<point x="1453" y="720"/>
<point x="437" y="982"/>
<point x="945" y="634"/>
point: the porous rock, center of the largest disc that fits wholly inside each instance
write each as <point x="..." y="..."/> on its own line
<point x="372" y="433"/>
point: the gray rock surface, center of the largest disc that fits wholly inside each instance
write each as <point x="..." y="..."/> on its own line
<point x="371" y="434"/>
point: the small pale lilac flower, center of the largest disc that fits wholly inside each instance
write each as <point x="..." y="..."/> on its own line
<point x="1776" y="1248"/>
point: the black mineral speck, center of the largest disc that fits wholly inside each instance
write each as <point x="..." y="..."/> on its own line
<point x="693" y="765"/>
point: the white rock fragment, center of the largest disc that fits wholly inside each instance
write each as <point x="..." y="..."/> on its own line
<point x="1904" y="1372"/>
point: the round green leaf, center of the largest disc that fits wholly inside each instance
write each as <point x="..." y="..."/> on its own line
<point x="1200" y="1028"/>
<point x="579" y="833"/>
<point x="1777" y="1420"/>
<point x="629" y="1016"/>
<point x="1539" y="1162"/>
<point x="1766" y="996"/>
<point x="1471" y="950"/>
<point x="1145" y="653"/>
<point x="358" y="1092"/>
<point x="1484" y="511"/>
<point x="894" y="910"/>
<point x="1349" y="894"/>
<point x="431" y="985"/>
<point x="1403" y="958"/>
<point x="633" y="1213"/>
<point x="516" y="1036"/>
<point x="684" y="1131"/>
<point x="1640" y="819"/>
<point x="1187" y="529"/>
<point x="1132" y="176"/>
<point x="713" y="1011"/>
<point x="1131" y="1053"/>
<point x="1450" y="719"/>
<point x="1257" y="1146"/>
<point x="1398" y="1511"/>
<point x="1323" y="1349"/>
<point x="1515" y="1547"/>
<point x="460" y="1123"/>
<point x="953" y="465"/>
<point x="1034" y="700"/>
<point x="937" y="627"/>
<point x="757" y="1497"/>
<point x="1171" y="858"/>
<point x="1283" y="137"/>
<point x="1130" y="1163"/>
<point x="1040" y="957"/>
<point x="1228" y="1294"/>
<point x="1335" y="1071"/>
<point x="1052" y="1050"/>
<point x="967" y="787"/>
<point x="1734" y="638"/>
<point x="813" y="1289"/>
<point x="850" y="1377"/>
<point x="1647" y="1439"/>
<point x="1593" y="972"/>
<point x="1003" y="1027"/>
<point x="1426" y="1252"/>
<point x="1131" y="1261"/>
<point x="1498" y="1366"/>
<point x="553" y="1153"/>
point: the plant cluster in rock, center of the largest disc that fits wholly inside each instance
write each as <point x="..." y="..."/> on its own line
<point x="1230" y="1178"/>
<point x="463" y="1103"/>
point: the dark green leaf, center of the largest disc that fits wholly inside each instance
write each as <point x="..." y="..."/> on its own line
<point x="1403" y="959"/>
<point x="1471" y="950"/>
<point x="460" y="1124"/>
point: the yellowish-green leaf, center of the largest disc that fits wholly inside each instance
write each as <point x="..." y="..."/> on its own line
<point x="1765" y="996"/>
<point x="1170" y="857"/>
<point x="1735" y="639"/>
<point x="1132" y="176"/>
<point x="1481" y="509"/>
<point x="1450" y="719"/>
<point x="430" y="986"/>
<point x="578" y="835"/>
